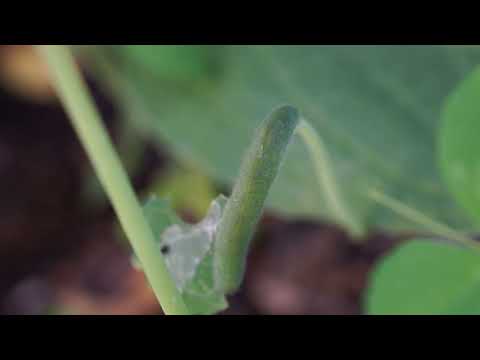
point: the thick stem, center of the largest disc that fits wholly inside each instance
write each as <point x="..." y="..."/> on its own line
<point x="244" y="208"/>
<point x="85" y="118"/>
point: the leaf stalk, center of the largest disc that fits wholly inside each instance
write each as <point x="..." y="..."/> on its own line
<point x="86" y="120"/>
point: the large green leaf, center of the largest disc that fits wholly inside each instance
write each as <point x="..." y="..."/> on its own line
<point x="460" y="144"/>
<point x="376" y="107"/>
<point x="426" y="278"/>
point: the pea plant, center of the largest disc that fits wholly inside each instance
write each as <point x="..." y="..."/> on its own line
<point x="206" y="261"/>
<point x="192" y="268"/>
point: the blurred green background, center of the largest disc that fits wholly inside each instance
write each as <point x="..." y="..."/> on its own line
<point x="181" y="118"/>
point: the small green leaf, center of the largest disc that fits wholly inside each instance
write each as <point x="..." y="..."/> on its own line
<point x="426" y="277"/>
<point x="188" y="251"/>
<point x="460" y="145"/>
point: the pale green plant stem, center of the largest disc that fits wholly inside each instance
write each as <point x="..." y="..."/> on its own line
<point x="327" y="181"/>
<point x="421" y="219"/>
<point x="86" y="121"/>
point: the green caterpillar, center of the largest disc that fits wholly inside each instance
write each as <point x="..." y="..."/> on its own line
<point x="258" y="171"/>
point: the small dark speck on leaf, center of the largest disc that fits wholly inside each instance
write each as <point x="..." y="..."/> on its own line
<point x="165" y="249"/>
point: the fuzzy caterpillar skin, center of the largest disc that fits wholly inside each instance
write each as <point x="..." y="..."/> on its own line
<point x="244" y="208"/>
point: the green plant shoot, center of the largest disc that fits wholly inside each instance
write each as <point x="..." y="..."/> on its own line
<point x="258" y="171"/>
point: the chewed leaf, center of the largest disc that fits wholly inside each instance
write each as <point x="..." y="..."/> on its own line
<point x="185" y="246"/>
<point x="188" y="252"/>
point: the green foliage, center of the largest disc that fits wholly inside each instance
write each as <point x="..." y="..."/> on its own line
<point x="459" y="144"/>
<point x="188" y="252"/>
<point x="425" y="277"/>
<point x="377" y="108"/>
